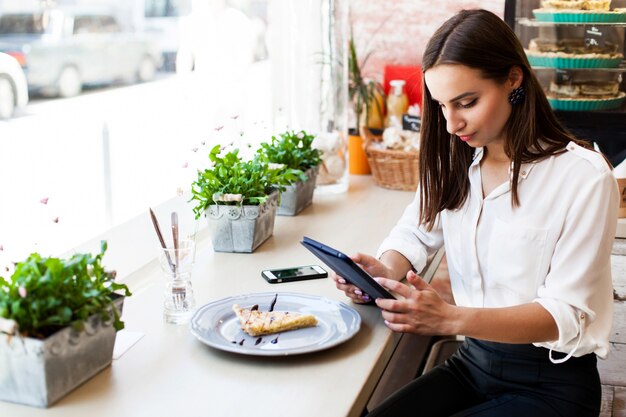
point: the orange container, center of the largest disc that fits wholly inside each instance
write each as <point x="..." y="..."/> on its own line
<point x="357" y="159"/>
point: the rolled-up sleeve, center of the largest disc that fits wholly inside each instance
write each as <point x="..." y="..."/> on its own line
<point x="410" y="239"/>
<point x="578" y="288"/>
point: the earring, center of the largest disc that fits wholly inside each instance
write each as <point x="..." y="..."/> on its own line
<point x="517" y="95"/>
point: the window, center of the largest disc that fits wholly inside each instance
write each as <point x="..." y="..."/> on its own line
<point x="167" y="8"/>
<point x="22" y="24"/>
<point x="83" y="168"/>
<point x="95" y="24"/>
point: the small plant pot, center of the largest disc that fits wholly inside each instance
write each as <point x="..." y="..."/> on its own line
<point x="298" y="195"/>
<point x="39" y="372"/>
<point x="241" y="228"/>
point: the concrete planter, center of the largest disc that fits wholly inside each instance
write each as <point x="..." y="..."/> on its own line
<point x="241" y="228"/>
<point x="298" y="195"/>
<point x="40" y="372"/>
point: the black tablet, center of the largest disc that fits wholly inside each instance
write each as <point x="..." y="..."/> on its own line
<point x="346" y="268"/>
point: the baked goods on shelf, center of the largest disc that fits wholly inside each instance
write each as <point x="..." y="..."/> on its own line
<point x="594" y="90"/>
<point x="585" y="95"/>
<point x="578" y="53"/>
<point x="573" y="53"/>
<point x="573" y="48"/>
<point x="576" y="4"/>
<point x="586" y="104"/>
<point x="258" y="323"/>
<point x="617" y="15"/>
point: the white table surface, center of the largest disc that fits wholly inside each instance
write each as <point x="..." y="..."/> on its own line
<point x="170" y="373"/>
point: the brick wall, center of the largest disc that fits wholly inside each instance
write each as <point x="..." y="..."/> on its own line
<point x="396" y="31"/>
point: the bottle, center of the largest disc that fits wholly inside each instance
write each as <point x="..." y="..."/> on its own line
<point x="373" y="118"/>
<point x="397" y="104"/>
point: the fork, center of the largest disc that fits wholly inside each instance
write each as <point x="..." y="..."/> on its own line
<point x="179" y="294"/>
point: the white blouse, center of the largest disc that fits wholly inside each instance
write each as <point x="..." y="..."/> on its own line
<point x="554" y="249"/>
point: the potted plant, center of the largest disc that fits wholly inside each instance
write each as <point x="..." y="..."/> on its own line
<point x="239" y="198"/>
<point x="367" y="97"/>
<point x="294" y="151"/>
<point x="58" y="321"/>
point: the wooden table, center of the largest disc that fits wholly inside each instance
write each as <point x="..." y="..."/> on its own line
<point x="169" y="372"/>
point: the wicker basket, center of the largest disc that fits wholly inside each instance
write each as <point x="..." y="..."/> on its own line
<point x="393" y="169"/>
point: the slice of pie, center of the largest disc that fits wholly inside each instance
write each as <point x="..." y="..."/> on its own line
<point x="258" y="323"/>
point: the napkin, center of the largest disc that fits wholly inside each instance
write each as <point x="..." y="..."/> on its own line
<point x="124" y="340"/>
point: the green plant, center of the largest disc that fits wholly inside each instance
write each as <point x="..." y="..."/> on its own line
<point x="46" y="294"/>
<point x="363" y="93"/>
<point x="248" y="182"/>
<point x="294" y="150"/>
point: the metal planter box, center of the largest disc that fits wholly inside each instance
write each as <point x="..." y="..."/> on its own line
<point x="298" y="195"/>
<point x="241" y="228"/>
<point x="40" y="372"/>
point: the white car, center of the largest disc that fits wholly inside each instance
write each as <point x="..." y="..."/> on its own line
<point x="63" y="50"/>
<point x="13" y="86"/>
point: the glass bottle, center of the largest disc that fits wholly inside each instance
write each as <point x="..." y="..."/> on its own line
<point x="397" y="104"/>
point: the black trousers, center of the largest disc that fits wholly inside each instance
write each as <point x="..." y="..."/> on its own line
<point x="498" y="379"/>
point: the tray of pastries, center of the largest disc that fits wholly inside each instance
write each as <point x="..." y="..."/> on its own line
<point x="579" y="11"/>
<point x="572" y="54"/>
<point x="585" y="95"/>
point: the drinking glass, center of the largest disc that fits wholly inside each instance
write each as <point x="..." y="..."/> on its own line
<point x="177" y="264"/>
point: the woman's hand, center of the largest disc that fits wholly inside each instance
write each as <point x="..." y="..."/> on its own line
<point x="370" y="264"/>
<point x="422" y="311"/>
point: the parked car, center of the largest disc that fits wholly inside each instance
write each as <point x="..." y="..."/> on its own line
<point x="62" y="50"/>
<point x="13" y="86"/>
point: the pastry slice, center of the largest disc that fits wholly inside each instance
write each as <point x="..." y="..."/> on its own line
<point x="258" y="323"/>
<point x="563" y="4"/>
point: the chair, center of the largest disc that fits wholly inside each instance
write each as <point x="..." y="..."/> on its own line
<point x="440" y="351"/>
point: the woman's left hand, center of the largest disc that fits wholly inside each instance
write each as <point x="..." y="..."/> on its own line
<point x="422" y="311"/>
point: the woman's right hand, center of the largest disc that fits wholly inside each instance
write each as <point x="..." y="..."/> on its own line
<point x="370" y="264"/>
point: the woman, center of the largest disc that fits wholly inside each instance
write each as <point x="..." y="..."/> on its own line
<point x="527" y="214"/>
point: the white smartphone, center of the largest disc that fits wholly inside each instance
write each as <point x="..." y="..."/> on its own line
<point x="296" y="273"/>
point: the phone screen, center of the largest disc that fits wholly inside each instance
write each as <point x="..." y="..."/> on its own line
<point x="294" y="272"/>
<point x="297" y="273"/>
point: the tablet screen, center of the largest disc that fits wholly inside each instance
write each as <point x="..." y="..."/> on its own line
<point x="346" y="268"/>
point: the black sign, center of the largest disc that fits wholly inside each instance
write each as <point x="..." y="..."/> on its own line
<point x="413" y="123"/>
<point x="563" y="77"/>
<point x="594" y="38"/>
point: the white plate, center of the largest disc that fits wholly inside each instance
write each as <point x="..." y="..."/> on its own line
<point x="216" y="324"/>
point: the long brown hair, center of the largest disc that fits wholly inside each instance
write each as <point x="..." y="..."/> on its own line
<point x="479" y="39"/>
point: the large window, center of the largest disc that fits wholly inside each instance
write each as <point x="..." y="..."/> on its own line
<point x="88" y="166"/>
<point x="79" y="168"/>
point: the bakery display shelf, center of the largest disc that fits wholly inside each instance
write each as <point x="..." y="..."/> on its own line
<point x="580" y="17"/>
<point x="573" y="62"/>
<point x="524" y="21"/>
<point x="620" y="69"/>
<point x="587" y="105"/>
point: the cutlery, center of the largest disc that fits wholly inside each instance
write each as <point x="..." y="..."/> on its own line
<point x="155" y="222"/>
<point x="179" y="294"/>
<point x="175" y="239"/>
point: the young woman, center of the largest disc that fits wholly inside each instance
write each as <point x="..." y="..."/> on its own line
<point x="527" y="215"/>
